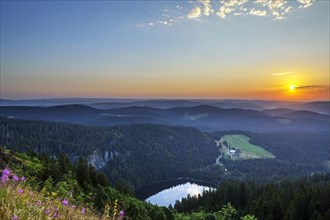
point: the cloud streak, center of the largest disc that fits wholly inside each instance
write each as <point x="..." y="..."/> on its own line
<point x="282" y="74"/>
<point x="309" y="87"/>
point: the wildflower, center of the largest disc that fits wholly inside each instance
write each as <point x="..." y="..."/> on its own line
<point x="47" y="211"/>
<point x="65" y="202"/>
<point x="73" y="206"/>
<point x="22" y="178"/>
<point x="15" y="178"/>
<point x="121" y="214"/>
<point x="5" y="172"/>
<point x="38" y="203"/>
<point x="20" y="191"/>
<point x="14" y="217"/>
<point x="83" y="211"/>
<point x="4" y="178"/>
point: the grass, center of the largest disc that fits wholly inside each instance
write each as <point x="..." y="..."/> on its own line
<point x="19" y="201"/>
<point x="248" y="150"/>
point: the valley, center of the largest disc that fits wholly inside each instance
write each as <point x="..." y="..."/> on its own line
<point x="153" y="153"/>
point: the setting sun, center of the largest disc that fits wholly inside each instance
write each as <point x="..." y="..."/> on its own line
<point x="292" y="87"/>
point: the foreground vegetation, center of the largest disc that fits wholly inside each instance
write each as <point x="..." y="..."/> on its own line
<point x="57" y="186"/>
<point x="35" y="187"/>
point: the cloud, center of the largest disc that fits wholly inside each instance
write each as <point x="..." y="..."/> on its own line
<point x="207" y="7"/>
<point x="305" y="3"/>
<point x="282" y="74"/>
<point x="278" y="9"/>
<point x="309" y="87"/>
<point x="195" y="13"/>
<point x="274" y="9"/>
<point x="223" y="11"/>
<point x="258" y="12"/>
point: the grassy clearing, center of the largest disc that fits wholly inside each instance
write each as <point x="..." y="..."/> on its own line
<point x="248" y="151"/>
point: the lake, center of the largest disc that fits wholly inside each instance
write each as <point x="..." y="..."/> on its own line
<point x="166" y="193"/>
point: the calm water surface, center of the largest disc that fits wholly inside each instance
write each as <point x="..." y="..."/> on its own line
<point x="169" y="196"/>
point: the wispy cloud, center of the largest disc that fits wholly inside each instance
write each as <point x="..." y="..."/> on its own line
<point x="207" y="9"/>
<point x="278" y="9"/>
<point x="258" y="12"/>
<point x="282" y="74"/>
<point x="275" y="9"/>
<point x="305" y="3"/>
<point x="310" y="87"/>
<point x="195" y="13"/>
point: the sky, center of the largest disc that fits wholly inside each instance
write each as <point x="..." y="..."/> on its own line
<point x="234" y="49"/>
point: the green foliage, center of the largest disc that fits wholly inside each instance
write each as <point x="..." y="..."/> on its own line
<point x="135" y="150"/>
<point x="50" y="182"/>
<point x="305" y="198"/>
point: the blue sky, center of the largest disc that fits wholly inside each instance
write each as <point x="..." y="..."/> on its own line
<point x="165" y="49"/>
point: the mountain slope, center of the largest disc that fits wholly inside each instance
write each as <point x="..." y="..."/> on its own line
<point x="122" y="151"/>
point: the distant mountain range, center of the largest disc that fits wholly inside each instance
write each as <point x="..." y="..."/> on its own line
<point x="207" y="117"/>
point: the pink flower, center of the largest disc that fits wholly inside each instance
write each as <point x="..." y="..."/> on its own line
<point x="5" y="172"/>
<point x="15" y="178"/>
<point x="14" y="217"/>
<point x="4" y="178"/>
<point x="83" y="211"/>
<point x="22" y="178"/>
<point x="65" y="202"/>
<point x="73" y="206"/>
<point x="20" y="191"/>
<point x="121" y="214"/>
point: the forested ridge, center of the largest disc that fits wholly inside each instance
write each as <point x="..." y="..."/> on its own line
<point x="305" y="198"/>
<point x="136" y="154"/>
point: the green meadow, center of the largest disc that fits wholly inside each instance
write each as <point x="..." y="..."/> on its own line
<point x="247" y="150"/>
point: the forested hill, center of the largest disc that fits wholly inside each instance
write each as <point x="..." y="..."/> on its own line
<point x="305" y="198"/>
<point x="142" y="154"/>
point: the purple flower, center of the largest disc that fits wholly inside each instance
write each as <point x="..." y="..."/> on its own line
<point x="14" y="217"/>
<point x="15" y="178"/>
<point x="121" y="214"/>
<point x="73" y="206"/>
<point x="38" y="203"/>
<point x="5" y="172"/>
<point x="20" y="191"/>
<point x="22" y="178"/>
<point x="83" y="210"/>
<point x="47" y="211"/>
<point x="4" y="178"/>
<point x="65" y="202"/>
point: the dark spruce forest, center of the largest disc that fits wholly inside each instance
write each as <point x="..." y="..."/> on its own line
<point x="263" y="159"/>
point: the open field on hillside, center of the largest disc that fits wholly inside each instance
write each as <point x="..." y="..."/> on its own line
<point x="247" y="150"/>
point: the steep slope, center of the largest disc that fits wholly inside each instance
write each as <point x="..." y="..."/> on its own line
<point x="140" y="153"/>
